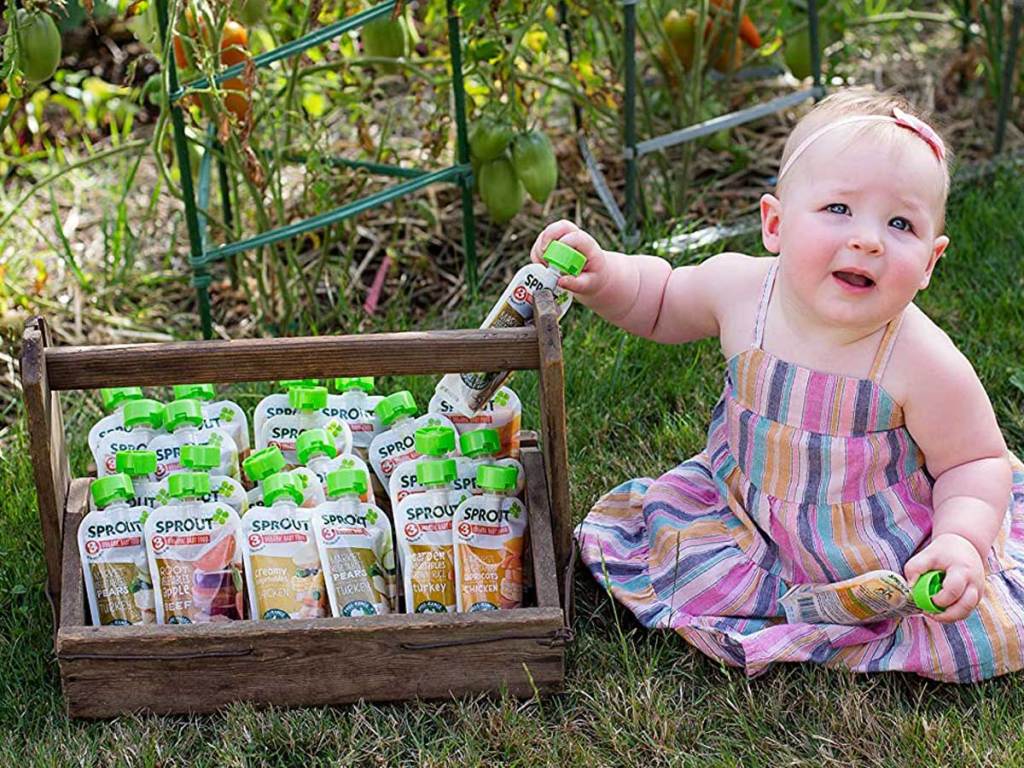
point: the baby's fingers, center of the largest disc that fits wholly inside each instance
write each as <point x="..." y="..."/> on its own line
<point x="954" y="583"/>
<point x="962" y="608"/>
<point x="551" y="232"/>
<point x="584" y="284"/>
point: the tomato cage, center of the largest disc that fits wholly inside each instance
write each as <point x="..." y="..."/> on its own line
<point x="204" y="254"/>
<point x="627" y="217"/>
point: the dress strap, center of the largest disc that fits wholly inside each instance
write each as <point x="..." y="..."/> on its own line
<point x="762" y="306"/>
<point x="885" y="348"/>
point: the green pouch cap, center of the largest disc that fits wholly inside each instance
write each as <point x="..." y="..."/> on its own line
<point x="399" y="404"/>
<point x="480" y="442"/>
<point x="346" y="480"/>
<point x="179" y="413"/>
<point x="434" y="441"/>
<point x="106" y="490"/>
<point x="194" y="392"/>
<point x="436" y="472"/>
<point x="289" y="383"/>
<point x="135" y="463"/>
<point x="280" y="486"/>
<point x="928" y="585"/>
<point x="200" y="456"/>
<point x="114" y="396"/>
<point x="312" y="442"/>
<point x="188" y="485"/>
<point x="564" y="258"/>
<point x="261" y="464"/>
<point x="492" y="477"/>
<point x="307" y="398"/>
<point x="364" y="383"/>
<point x="144" y="412"/>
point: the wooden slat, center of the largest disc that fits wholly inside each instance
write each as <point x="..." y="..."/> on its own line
<point x="554" y="435"/>
<point x="538" y="510"/>
<point x="176" y="669"/>
<point x="72" y="594"/>
<point x="49" y="457"/>
<point x="429" y="352"/>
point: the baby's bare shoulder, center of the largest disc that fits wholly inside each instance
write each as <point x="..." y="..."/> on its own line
<point x="925" y="353"/>
<point x="733" y="282"/>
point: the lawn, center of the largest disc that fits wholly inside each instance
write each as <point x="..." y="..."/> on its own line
<point x="632" y="697"/>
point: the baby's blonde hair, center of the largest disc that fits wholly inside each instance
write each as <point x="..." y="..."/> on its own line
<point x="862" y="100"/>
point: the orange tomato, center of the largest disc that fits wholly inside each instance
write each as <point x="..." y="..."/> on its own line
<point x="234" y="43"/>
<point x="236" y="98"/>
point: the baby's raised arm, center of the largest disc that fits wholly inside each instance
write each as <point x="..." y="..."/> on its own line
<point x="644" y="294"/>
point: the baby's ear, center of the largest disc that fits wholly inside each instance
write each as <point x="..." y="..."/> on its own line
<point x="771" y="222"/>
<point x="939" y="248"/>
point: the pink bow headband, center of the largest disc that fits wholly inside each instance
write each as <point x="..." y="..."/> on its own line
<point x="899" y="117"/>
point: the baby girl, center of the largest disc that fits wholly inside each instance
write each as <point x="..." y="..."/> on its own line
<point x="851" y="434"/>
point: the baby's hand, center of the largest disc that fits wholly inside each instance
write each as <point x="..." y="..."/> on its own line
<point x="595" y="274"/>
<point x="964" y="582"/>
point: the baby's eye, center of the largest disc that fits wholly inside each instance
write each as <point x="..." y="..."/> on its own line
<point x="908" y="227"/>
<point x="832" y="206"/>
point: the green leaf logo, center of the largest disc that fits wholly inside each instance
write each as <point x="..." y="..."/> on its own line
<point x="144" y="517"/>
<point x="371" y="516"/>
<point x="514" y="512"/>
<point x="303" y="479"/>
<point x="162" y="497"/>
<point x="433" y="422"/>
<point x="333" y="428"/>
<point x="226" y="415"/>
<point x="216" y="439"/>
<point x="348" y="463"/>
<point x="501" y="398"/>
<point x="225" y="489"/>
<point x="220" y="517"/>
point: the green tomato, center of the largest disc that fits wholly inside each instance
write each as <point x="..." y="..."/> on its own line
<point x="796" y="52"/>
<point x="384" y="38"/>
<point x="535" y="164"/>
<point x="500" y="189"/>
<point x="38" y="45"/>
<point x="488" y="139"/>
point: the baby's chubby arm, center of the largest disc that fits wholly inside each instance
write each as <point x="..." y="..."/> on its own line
<point x="644" y="294"/>
<point x="950" y="417"/>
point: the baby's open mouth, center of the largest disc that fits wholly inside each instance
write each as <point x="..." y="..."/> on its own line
<point x="851" y="278"/>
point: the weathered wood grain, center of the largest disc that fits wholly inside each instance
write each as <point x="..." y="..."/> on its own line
<point x="72" y="596"/>
<point x="554" y="432"/>
<point x="176" y="669"/>
<point x="50" y="466"/>
<point x="222" y="362"/>
<point x="542" y="549"/>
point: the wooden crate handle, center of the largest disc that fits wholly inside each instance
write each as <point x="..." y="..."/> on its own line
<point x="553" y="426"/>
<point x="223" y="362"/>
<point x="48" y="452"/>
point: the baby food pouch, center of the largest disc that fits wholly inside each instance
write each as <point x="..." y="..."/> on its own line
<point x="140" y="466"/>
<point x="503" y="412"/>
<point x="261" y="464"/>
<point x="423" y="527"/>
<point x="114" y="399"/>
<point x="358" y="410"/>
<point x="483" y="447"/>
<point x="864" y="599"/>
<point x="277" y="403"/>
<point x="218" y="414"/>
<point x="468" y="392"/>
<point x="143" y="420"/>
<point x="397" y="443"/>
<point x="113" y="553"/>
<point x="195" y="552"/>
<point x="183" y="420"/>
<point x="317" y="451"/>
<point x="488" y="540"/>
<point x="282" y="564"/>
<point x="308" y="406"/>
<point x="224" y="489"/>
<point x="431" y="443"/>
<point x="354" y="539"/>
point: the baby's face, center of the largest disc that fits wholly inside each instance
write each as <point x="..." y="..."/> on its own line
<point x="857" y="229"/>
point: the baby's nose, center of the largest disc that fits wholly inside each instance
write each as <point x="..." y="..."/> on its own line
<point x="866" y="240"/>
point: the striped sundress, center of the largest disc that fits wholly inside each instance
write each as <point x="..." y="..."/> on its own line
<point x="807" y="477"/>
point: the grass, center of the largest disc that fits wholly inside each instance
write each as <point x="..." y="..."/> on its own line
<point x="632" y="697"/>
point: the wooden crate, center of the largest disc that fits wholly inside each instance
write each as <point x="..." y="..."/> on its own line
<point x="106" y="671"/>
